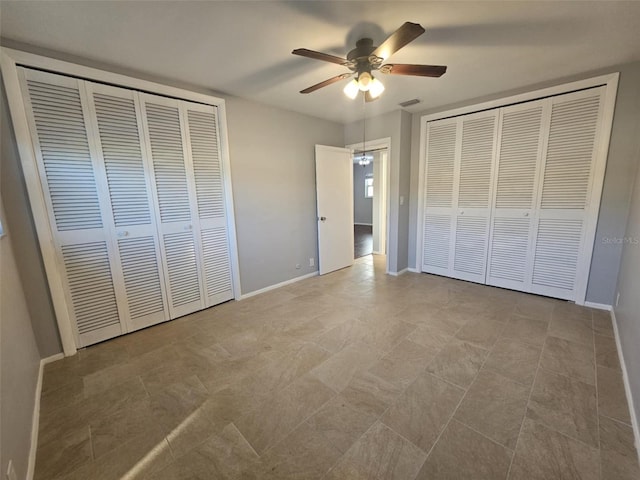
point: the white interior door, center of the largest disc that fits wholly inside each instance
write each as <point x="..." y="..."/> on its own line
<point x="515" y="199"/>
<point x="564" y="193"/>
<point x="117" y="124"/>
<point x="473" y="183"/>
<point x="176" y="204"/>
<point x="201" y="123"/>
<point x="334" y="193"/>
<point x="443" y="148"/>
<point x="380" y="203"/>
<point x="76" y="202"/>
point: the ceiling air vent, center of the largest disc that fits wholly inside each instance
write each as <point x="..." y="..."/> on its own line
<point x="408" y="103"/>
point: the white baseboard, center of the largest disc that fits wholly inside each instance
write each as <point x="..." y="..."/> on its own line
<point x="365" y="224"/>
<point x="35" y="419"/>
<point x="278" y="285"/>
<point x="401" y="272"/>
<point x="627" y="387"/>
<point x="598" y="306"/>
<point x="413" y="270"/>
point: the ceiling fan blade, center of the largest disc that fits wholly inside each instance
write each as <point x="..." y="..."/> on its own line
<point x="304" y="52"/>
<point x="368" y="98"/>
<point x="318" y="86"/>
<point x="408" y="32"/>
<point x="417" y="70"/>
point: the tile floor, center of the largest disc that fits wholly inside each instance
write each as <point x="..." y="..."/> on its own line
<point x="353" y="375"/>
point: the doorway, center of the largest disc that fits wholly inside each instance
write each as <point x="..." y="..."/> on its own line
<point x="370" y="202"/>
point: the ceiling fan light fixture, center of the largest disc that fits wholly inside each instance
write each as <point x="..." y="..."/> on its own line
<point x="364" y="81"/>
<point x="376" y="88"/>
<point x="351" y="89"/>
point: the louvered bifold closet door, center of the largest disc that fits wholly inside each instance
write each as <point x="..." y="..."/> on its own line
<point x="203" y="141"/>
<point x="75" y="195"/>
<point x="474" y="191"/>
<point x="565" y="192"/>
<point x="442" y="152"/>
<point x="117" y="123"/>
<point x="175" y="203"/>
<point x="518" y="168"/>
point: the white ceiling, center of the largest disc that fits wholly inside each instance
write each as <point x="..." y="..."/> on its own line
<point x="244" y="48"/>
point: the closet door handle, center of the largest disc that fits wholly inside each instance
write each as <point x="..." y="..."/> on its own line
<point x="188" y="227"/>
<point x="123" y="234"/>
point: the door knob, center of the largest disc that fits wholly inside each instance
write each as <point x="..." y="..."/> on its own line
<point x="322" y="219"/>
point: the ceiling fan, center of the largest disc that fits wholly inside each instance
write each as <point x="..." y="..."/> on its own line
<point x="366" y="58"/>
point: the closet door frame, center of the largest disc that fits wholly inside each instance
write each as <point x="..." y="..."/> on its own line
<point x="9" y="61"/>
<point x="610" y="81"/>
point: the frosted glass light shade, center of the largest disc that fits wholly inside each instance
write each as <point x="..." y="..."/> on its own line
<point x="351" y="89"/>
<point x="376" y="88"/>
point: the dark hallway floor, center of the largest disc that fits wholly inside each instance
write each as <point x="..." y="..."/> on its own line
<point x="363" y="240"/>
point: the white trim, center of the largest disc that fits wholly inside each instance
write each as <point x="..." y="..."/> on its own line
<point x="401" y="272"/>
<point x="610" y="82"/>
<point x="627" y="387"/>
<point x="413" y="270"/>
<point x="525" y="97"/>
<point x="9" y="58"/>
<point x="365" y="224"/>
<point x="278" y="285"/>
<point x="598" y="306"/>
<point x="35" y="418"/>
<point x="380" y="143"/>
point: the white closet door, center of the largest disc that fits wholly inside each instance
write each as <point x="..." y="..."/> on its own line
<point x="442" y="148"/>
<point x="57" y="110"/>
<point x="473" y="184"/>
<point x="515" y="199"/>
<point x="175" y="203"/>
<point x="117" y="124"/>
<point x="564" y="192"/>
<point x="204" y="149"/>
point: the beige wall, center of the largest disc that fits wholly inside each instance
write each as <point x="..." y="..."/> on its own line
<point x="273" y="174"/>
<point x="627" y="312"/>
<point x="19" y="361"/>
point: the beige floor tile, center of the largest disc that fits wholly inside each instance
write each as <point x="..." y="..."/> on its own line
<point x="108" y="433"/>
<point x="423" y="410"/>
<point x="607" y="352"/>
<point x="481" y="332"/>
<point x="576" y="329"/>
<point x="463" y="453"/>
<point x="66" y="454"/>
<point x="569" y="358"/>
<point x="303" y="454"/>
<point x="432" y="336"/>
<point x="379" y="454"/>
<point x="602" y="324"/>
<point x="340" y="423"/>
<point x="338" y="370"/>
<point x="458" y="362"/>
<point x="221" y="456"/>
<point x="525" y="329"/>
<point x="280" y="414"/>
<point x="618" y="457"/>
<point x="370" y="394"/>
<point x="612" y="399"/>
<point x="494" y="406"/>
<point x="543" y="454"/>
<point x="514" y="359"/>
<point x="203" y="395"/>
<point x="404" y="363"/>
<point x="565" y="404"/>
